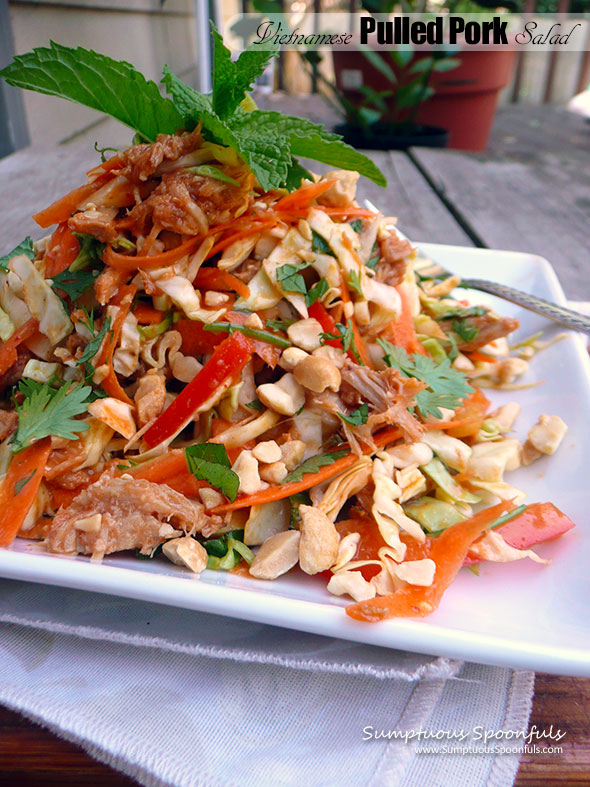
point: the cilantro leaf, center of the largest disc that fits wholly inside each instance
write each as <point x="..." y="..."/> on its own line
<point x="48" y="411"/>
<point x="375" y="257"/>
<point x="354" y="282"/>
<point x="255" y="404"/>
<point x="316" y="292"/>
<point x="279" y="325"/>
<point x="290" y="278"/>
<point x="24" y="247"/>
<point x="73" y="283"/>
<point x="357" y="225"/>
<point x="91" y="251"/>
<point x="346" y="336"/>
<point x="320" y="245"/>
<point x="96" y="81"/>
<point x="446" y="387"/>
<point x="358" y="416"/>
<point x="209" y="462"/>
<point x="94" y="344"/>
<point x="313" y="464"/>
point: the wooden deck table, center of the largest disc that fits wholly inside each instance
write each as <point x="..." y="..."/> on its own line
<point x="539" y="205"/>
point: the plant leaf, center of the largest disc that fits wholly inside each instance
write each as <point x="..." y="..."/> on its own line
<point x="358" y="416"/>
<point x="313" y="464"/>
<point x="209" y="462"/>
<point x="48" y="411"/>
<point x="96" y="81"/>
<point x="24" y="247"/>
<point x="73" y="283"/>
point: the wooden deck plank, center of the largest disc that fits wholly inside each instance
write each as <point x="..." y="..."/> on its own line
<point x="31" y="180"/>
<point x="421" y="214"/>
<point x="540" y="206"/>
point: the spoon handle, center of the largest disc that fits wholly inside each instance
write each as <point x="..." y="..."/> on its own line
<point x="567" y="317"/>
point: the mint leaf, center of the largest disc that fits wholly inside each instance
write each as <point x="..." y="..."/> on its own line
<point x="316" y="292"/>
<point x="295" y="175"/>
<point x="320" y="245"/>
<point x="464" y="329"/>
<point x="313" y="464"/>
<point x="24" y="247"/>
<point x="310" y="140"/>
<point x="207" y="171"/>
<point x="232" y="80"/>
<point x="290" y="278"/>
<point x="48" y="411"/>
<point x="192" y="105"/>
<point x="357" y="225"/>
<point x="358" y="416"/>
<point x="209" y="462"/>
<point x="96" y="81"/>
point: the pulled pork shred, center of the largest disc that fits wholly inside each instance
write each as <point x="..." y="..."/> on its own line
<point x="388" y="395"/>
<point x="394" y="259"/>
<point x="135" y="514"/>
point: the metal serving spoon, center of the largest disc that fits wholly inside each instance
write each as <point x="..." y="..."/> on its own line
<point x="567" y="317"/>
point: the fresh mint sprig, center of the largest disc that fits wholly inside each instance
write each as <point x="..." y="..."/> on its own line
<point x="268" y="142"/>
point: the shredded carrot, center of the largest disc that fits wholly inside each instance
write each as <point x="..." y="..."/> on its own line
<point x="19" y="488"/>
<point x="151" y="238"/>
<point x="106" y="166"/>
<point x="126" y="262"/>
<point x="401" y="332"/>
<point x="448" y="552"/>
<point x="309" y="479"/>
<point x="358" y="339"/>
<point x="361" y="213"/>
<point x="476" y="356"/>
<point x="214" y="279"/>
<point x="147" y="315"/>
<point x="302" y="196"/>
<point x="62" y="250"/>
<point x="110" y="383"/>
<point x="62" y="209"/>
<point x="8" y="353"/>
<point x="245" y="232"/>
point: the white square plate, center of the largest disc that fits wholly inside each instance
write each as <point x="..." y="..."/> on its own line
<point x="520" y="615"/>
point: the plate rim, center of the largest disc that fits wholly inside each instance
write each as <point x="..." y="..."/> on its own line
<point x="318" y="617"/>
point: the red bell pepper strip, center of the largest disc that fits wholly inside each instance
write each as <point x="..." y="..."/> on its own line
<point x="448" y="552"/>
<point x="225" y="364"/>
<point x="19" y="488"/>
<point x="325" y="319"/>
<point x="195" y="339"/>
<point x="8" y="354"/>
<point x="538" y="523"/>
<point x="62" y="250"/>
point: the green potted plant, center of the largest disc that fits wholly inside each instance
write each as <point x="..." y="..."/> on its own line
<point x="460" y="88"/>
<point x="402" y="98"/>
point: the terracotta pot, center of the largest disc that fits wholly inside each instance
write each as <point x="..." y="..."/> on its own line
<point x="465" y="98"/>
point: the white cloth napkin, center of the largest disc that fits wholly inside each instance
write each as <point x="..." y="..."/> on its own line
<point x="173" y="697"/>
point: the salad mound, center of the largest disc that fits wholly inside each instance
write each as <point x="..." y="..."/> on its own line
<point x="226" y="359"/>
